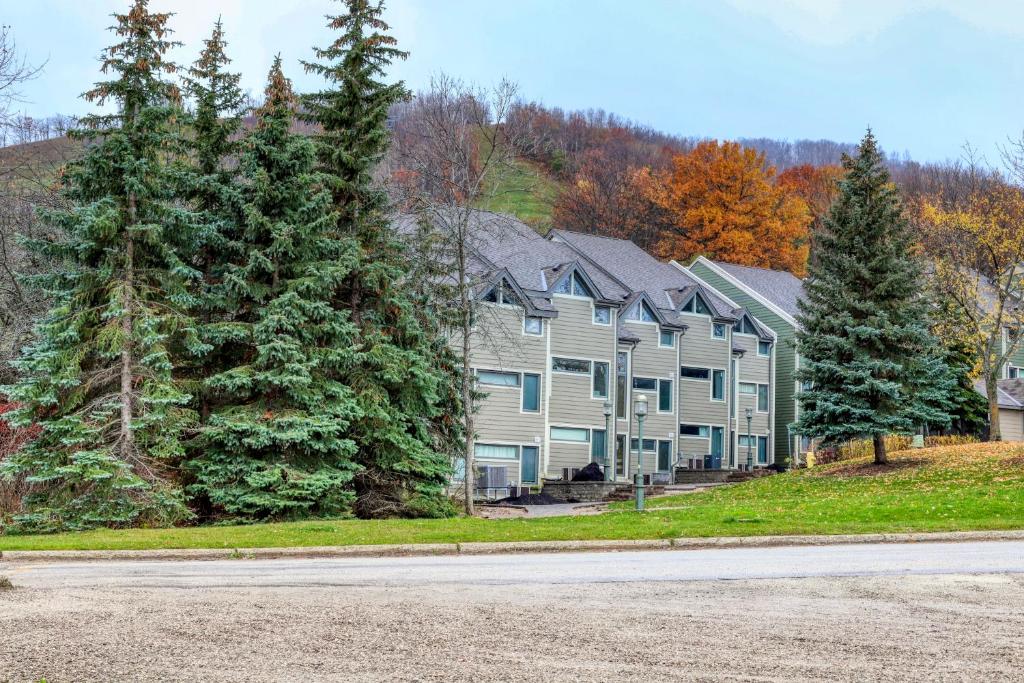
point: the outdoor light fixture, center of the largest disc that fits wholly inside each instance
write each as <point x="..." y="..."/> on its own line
<point x="750" y="454"/>
<point x="640" y="410"/>
<point x="609" y="464"/>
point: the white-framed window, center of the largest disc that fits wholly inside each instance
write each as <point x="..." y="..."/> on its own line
<point x="573" y="366"/>
<point x="764" y="348"/>
<point x="718" y="385"/>
<point x="718" y="331"/>
<point x="645" y="383"/>
<point x="1012" y="372"/>
<point x="496" y="378"/>
<point x="689" y="372"/>
<point x="667" y="339"/>
<point x="748" y="388"/>
<point x="664" y="396"/>
<point x="746" y="326"/>
<point x="602" y="315"/>
<point x="533" y="326"/>
<point x="697" y="305"/>
<point x="601" y="380"/>
<point x="502" y="293"/>
<point x="664" y="456"/>
<point x="531" y="393"/>
<point x="573" y="285"/>
<point x="641" y="312"/>
<point x="490" y="451"/>
<point x="762" y="398"/>
<point x="702" y="431"/>
<point x="570" y="434"/>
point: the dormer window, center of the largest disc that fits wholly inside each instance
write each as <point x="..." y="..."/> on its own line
<point x="574" y="285"/>
<point x="642" y="313"/>
<point x="502" y="294"/>
<point x="697" y="305"/>
<point x="746" y="326"/>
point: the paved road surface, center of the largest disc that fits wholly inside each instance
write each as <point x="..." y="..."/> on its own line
<point x="864" y="612"/>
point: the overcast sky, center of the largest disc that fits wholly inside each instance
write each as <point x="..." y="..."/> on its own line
<point x="927" y="75"/>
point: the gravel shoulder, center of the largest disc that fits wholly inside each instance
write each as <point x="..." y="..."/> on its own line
<point x="899" y="628"/>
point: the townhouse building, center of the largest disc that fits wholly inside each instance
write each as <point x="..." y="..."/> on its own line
<point x="568" y="324"/>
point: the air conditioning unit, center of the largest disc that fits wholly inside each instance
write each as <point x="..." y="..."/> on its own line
<point x="492" y="477"/>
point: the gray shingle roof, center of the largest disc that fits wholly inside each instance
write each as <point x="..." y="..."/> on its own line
<point x="1010" y="392"/>
<point x="777" y="286"/>
<point x="640" y="271"/>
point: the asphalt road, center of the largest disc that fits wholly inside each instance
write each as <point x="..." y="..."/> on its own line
<point x="567" y="568"/>
<point x="913" y="612"/>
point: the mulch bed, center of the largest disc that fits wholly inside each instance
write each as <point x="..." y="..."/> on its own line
<point x="532" y="499"/>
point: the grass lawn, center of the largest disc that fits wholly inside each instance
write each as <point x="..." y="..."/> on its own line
<point x="978" y="486"/>
<point x="527" y="193"/>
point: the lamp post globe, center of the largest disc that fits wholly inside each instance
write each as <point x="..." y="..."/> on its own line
<point x="609" y="465"/>
<point x="640" y="410"/>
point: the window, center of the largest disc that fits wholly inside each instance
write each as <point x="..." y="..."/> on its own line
<point x="531" y="393"/>
<point x="573" y="284"/>
<point x="762" y="450"/>
<point x="641" y="312"/>
<point x="664" y="456"/>
<point x="600" y="380"/>
<point x="742" y="442"/>
<point x="746" y="326"/>
<point x="664" y="396"/>
<point x="694" y="373"/>
<point x="718" y="385"/>
<point x="718" y="331"/>
<point x="764" y="348"/>
<point x="649" y="445"/>
<point x="621" y="366"/>
<point x="697" y="305"/>
<point x="531" y="456"/>
<point x="694" y="430"/>
<point x="578" y="367"/>
<point x="486" y="451"/>
<point x="667" y="339"/>
<point x="748" y="388"/>
<point x="498" y="379"/>
<point x="602" y="315"/>
<point x="502" y="294"/>
<point x="762" y="398"/>
<point x="576" y="434"/>
<point x="598" y="445"/>
<point x="645" y="383"/>
<point x="533" y="325"/>
<point x="1012" y="372"/>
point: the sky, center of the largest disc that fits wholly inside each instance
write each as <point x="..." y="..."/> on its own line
<point x="927" y="75"/>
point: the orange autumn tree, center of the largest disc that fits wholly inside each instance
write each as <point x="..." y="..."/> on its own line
<point x="721" y="200"/>
<point x="818" y="186"/>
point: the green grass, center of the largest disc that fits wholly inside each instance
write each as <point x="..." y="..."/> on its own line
<point x="971" y="487"/>
<point x="527" y="193"/>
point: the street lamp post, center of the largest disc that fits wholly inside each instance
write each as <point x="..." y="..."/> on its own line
<point x="640" y="410"/>
<point x="609" y="462"/>
<point x="750" y="453"/>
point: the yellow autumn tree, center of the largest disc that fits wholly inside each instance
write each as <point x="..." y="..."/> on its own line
<point x="976" y="246"/>
<point x="721" y="200"/>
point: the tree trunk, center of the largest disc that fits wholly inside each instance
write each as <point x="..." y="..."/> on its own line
<point x="467" y="387"/>
<point x="126" y="437"/>
<point x="992" y="393"/>
<point x="880" y="455"/>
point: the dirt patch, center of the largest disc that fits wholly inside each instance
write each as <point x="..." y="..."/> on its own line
<point x="499" y="512"/>
<point x="869" y="469"/>
<point x="533" y="499"/>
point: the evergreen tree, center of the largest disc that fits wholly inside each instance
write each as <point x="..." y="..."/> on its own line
<point x="398" y="386"/>
<point x="98" y="381"/>
<point x="210" y="185"/>
<point x="872" y="365"/>
<point x="277" y="441"/>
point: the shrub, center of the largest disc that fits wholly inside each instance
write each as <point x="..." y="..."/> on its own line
<point x="862" y="448"/>
<point x="13" y="490"/>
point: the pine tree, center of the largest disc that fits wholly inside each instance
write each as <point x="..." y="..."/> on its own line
<point x="865" y="348"/>
<point x="399" y="388"/>
<point x="99" y="379"/>
<point x="277" y="441"/>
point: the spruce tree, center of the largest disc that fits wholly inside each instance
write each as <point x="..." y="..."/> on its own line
<point x="98" y="381"/>
<point x="277" y="443"/>
<point x="872" y="366"/>
<point x="399" y="388"/>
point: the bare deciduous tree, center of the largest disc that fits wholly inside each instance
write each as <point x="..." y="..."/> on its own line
<point x="454" y="155"/>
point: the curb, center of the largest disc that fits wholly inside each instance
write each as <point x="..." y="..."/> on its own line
<point x="452" y="549"/>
